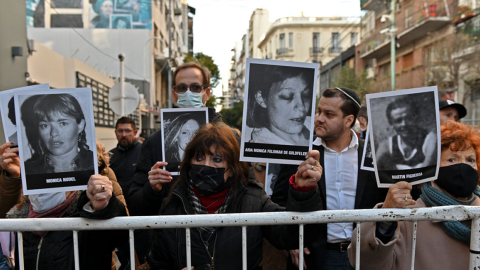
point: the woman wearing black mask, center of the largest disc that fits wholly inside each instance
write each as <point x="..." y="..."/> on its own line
<point x="440" y="245"/>
<point x="214" y="181"/>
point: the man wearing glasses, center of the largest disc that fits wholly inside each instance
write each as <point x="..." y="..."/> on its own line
<point x="123" y="161"/>
<point x="151" y="183"/>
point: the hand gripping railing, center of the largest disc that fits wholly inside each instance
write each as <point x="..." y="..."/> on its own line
<point x="447" y="213"/>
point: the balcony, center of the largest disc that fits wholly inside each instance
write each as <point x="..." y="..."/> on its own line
<point x="335" y="50"/>
<point x="316" y="50"/>
<point x="282" y="51"/>
<point x="367" y="4"/>
<point x="410" y="26"/>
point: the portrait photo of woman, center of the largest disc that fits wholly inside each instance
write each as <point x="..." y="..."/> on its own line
<point x="55" y="139"/>
<point x="179" y="129"/>
<point x="279" y="104"/>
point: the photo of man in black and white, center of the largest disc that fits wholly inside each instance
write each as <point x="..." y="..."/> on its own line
<point x="57" y="143"/>
<point x="405" y="136"/>
<point x="280" y="103"/>
<point x="179" y="127"/>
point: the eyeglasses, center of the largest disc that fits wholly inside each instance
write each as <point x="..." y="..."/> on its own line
<point x="127" y="131"/>
<point x="194" y="87"/>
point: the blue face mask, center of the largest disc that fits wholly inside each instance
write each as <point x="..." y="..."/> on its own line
<point x="190" y="100"/>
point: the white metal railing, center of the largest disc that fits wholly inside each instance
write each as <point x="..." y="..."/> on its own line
<point x="446" y="213"/>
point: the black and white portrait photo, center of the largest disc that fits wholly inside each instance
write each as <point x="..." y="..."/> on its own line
<point x="405" y="135"/>
<point x="367" y="156"/>
<point x="56" y="139"/>
<point x="271" y="177"/>
<point x="7" y="107"/>
<point x="278" y="112"/>
<point x="178" y="128"/>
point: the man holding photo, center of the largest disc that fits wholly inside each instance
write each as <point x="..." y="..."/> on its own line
<point x="343" y="184"/>
<point x="191" y="90"/>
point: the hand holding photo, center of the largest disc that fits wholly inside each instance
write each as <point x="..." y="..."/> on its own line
<point x="405" y="135"/>
<point x="57" y="146"/>
<point x="278" y="117"/>
<point x="178" y="128"/>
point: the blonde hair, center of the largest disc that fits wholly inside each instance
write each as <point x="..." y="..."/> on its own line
<point x="102" y="155"/>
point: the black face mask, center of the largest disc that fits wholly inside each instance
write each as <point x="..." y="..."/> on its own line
<point x="460" y="180"/>
<point x="208" y="180"/>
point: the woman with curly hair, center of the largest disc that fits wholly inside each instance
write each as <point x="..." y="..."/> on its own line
<point x="440" y="245"/>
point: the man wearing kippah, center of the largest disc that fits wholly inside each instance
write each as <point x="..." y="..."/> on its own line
<point x="450" y="110"/>
<point x="344" y="184"/>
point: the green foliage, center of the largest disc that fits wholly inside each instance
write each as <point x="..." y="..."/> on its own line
<point x="358" y="82"/>
<point x="212" y="101"/>
<point x="233" y="117"/>
<point x="206" y="61"/>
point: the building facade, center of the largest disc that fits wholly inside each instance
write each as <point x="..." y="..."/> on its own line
<point x="436" y="44"/>
<point x="96" y="32"/>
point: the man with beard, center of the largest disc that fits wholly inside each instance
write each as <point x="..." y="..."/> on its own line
<point x="124" y="157"/>
<point x="123" y="161"/>
<point x="343" y="184"/>
<point x="412" y="146"/>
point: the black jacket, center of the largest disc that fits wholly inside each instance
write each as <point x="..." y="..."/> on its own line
<point x="141" y="198"/>
<point x="55" y="249"/>
<point x="123" y="163"/>
<point x="169" y="248"/>
<point x="367" y="196"/>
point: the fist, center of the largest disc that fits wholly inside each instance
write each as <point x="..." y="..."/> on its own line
<point x="99" y="191"/>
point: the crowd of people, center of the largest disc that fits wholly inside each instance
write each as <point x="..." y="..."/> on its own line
<point x="212" y="179"/>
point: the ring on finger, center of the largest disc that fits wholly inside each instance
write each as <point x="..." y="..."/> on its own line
<point x="102" y="188"/>
<point x="1" y="159"/>
<point x="406" y="197"/>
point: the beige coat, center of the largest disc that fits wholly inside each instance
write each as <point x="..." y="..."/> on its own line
<point x="435" y="248"/>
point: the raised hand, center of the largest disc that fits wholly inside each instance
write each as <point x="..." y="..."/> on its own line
<point x="9" y="160"/>
<point x="99" y="191"/>
<point x="158" y="177"/>
<point x="309" y="171"/>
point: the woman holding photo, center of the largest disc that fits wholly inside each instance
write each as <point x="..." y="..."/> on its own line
<point x="213" y="181"/>
<point x="103" y="199"/>
<point x="56" y="134"/>
<point x="281" y="100"/>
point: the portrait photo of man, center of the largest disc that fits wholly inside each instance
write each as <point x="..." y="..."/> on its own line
<point x="405" y="134"/>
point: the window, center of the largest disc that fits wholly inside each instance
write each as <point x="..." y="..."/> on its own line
<point x="282" y="41"/>
<point x="103" y="115"/>
<point x="290" y="40"/>
<point x="335" y="43"/>
<point x="316" y="40"/>
<point x="282" y="49"/>
<point x="353" y="38"/>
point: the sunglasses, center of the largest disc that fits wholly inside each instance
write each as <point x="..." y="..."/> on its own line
<point x="194" y="87"/>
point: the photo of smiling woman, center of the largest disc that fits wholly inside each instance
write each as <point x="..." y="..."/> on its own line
<point x="55" y="147"/>
<point x="280" y="101"/>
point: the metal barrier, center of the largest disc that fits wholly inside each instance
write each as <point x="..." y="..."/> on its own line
<point x="446" y="213"/>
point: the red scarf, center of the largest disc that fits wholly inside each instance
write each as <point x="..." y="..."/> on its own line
<point x="213" y="202"/>
<point x="56" y="212"/>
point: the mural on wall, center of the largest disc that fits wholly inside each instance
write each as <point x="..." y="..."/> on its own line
<point x="117" y="14"/>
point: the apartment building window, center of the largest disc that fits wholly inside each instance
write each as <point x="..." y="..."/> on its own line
<point x="103" y="115"/>
<point x="335" y="47"/>
<point x="316" y="43"/>
<point x="353" y="38"/>
<point x="155" y="32"/>
<point x="282" y="49"/>
<point x="290" y="40"/>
